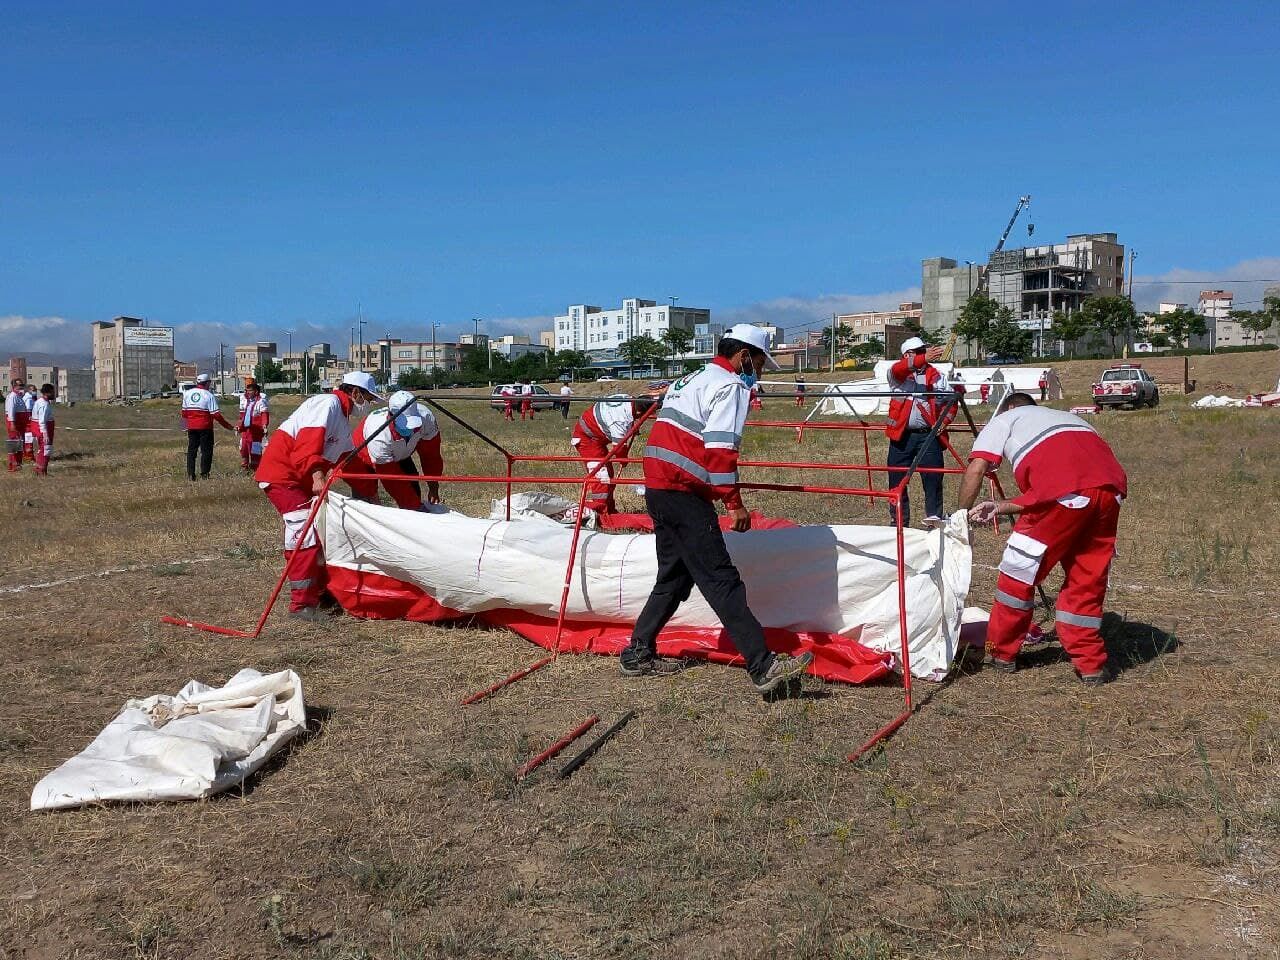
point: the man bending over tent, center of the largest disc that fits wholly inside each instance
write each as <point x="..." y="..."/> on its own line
<point x="598" y="432"/>
<point x="303" y="452"/>
<point x="691" y="462"/>
<point x="1072" y="487"/>
<point x="390" y="453"/>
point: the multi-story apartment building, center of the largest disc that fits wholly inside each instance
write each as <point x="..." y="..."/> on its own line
<point x="250" y="356"/>
<point x="879" y="324"/>
<point x="598" y="331"/>
<point x="131" y="358"/>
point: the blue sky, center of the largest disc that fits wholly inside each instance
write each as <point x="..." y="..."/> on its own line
<point x="243" y="169"/>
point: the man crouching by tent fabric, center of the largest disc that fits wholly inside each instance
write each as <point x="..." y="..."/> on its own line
<point x="692" y="461"/>
<point x="1072" y="487"/>
<point x="598" y="432"/>
<point x="390" y="453"/>
<point x="303" y="452"/>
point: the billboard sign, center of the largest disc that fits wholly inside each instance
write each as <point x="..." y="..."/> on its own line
<point x="148" y="337"/>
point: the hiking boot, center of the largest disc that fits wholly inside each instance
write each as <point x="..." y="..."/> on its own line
<point x="1105" y="675"/>
<point x="1000" y="666"/>
<point x="310" y="615"/>
<point x="650" y="666"/>
<point x="782" y="669"/>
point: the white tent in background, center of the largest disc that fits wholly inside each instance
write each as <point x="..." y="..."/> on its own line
<point x="842" y="400"/>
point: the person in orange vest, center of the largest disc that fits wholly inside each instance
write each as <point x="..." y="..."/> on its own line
<point x="526" y="399"/>
<point x="42" y="428"/>
<point x="390" y="453"/>
<point x="255" y="416"/>
<point x="911" y="418"/>
<point x="690" y="462"/>
<point x="598" y="432"/>
<point x="303" y="451"/>
<point x="1067" y="513"/>
<point x="199" y="413"/>
<point x="17" y="421"/>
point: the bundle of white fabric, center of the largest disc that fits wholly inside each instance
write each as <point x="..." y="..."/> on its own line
<point x="184" y="747"/>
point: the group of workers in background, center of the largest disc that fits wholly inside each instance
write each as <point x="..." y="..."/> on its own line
<point x="29" y="425"/>
<point x="1066" y="514"/>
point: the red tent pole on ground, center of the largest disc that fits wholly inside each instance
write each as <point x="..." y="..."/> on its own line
<point x="534" y="762"/>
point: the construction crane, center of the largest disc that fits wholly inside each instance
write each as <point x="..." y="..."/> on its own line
<point x="1023" y="202"/>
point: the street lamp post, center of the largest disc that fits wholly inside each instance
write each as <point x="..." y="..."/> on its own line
<point x="435" y="324"/>
<point x="477" y="321"/>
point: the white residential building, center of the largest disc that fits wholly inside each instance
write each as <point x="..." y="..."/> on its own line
<point x="1216" y="306"/>
<point x="594" y="330"/>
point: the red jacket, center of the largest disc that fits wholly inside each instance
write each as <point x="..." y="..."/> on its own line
<point x="903" y="378"/>
<point x="313" y="437"/>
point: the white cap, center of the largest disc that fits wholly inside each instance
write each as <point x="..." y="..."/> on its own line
<point x="202" y="378"/>
<point x="409" y="419"/>
<point x="364" y="381"/>
<point x="754" y="337"/>
<point x="912" y="343"/>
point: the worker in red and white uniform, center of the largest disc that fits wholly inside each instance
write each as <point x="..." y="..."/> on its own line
<point x="691" y="462"/>
<point x="526" y="399"/>
<point x="508" y="394"/>
<point x="1044" y="389"/>
<point x="199" y="414"/>
<point x="255" y="417"/>
<point x="1071" y="489"/>
<point x="303" y="451"/>
<point x="17" y="420"/>
<point x="599" y="432"/>
<point x="29" y="438"/>
<point x="911" y="420"/>
<point x="390" y="453"/>
<point x="800" y="389"/>
<point x="42" y="428"/>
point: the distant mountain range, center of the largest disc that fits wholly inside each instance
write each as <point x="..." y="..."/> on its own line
<point x="73" y="361"/>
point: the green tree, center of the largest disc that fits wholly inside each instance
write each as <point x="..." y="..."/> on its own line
<point x="1113" y="316"/>
<point x="641" y="351"/>
<point x="975" y="319"/>
<point x="1257" y="322"/>
<point x="1006" y="339"/>
<point x="414" y="378"/>
<point x="380" y="377"/>
<point x="844" y="338"/>
<point x="268" y="371"/>
<point x="931" y="338"/>
<point x="1069" y="327"/>
<point x="868" y="351"/>
<point x="678" y="340"/>
<point x="1182" y="324"/>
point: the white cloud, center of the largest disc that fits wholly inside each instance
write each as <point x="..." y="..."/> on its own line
<point x="21" y="335"/>
<point x="1247" y="280"/>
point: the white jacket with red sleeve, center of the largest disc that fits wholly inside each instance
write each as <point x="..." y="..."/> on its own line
<point x="694" y="443"/>
<point x="313" y="437"/>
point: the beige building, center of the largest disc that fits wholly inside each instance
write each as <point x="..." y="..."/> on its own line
<point x="74" y="386"/>
<point x="131" y="358"/>
<point x="877" y="324"/>
<point x="250" y="356"/>
<point x="547" y="338"/>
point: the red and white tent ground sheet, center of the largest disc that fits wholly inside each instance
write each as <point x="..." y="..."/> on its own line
<point x="829" y="589"/>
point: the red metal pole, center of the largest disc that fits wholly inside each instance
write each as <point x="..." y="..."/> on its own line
<point x="533" y="763"/>
<point x="505" y="681"/>
<point x="866" y="452"/>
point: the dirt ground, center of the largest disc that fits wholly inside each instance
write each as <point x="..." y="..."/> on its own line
<point x="1013" y="816"/>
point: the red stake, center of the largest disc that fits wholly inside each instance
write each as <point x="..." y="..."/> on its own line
<point x="535" y="762"/>
<point x="506" y="681"/>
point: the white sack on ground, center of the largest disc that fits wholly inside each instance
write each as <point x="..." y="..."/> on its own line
<point x="829" y="579"/>
<point x="182" y="747"/>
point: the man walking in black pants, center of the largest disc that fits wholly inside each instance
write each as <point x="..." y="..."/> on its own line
<point x="199" y="411"/>
<point x="692" y="461"/>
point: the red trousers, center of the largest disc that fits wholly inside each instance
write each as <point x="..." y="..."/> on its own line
<point x="799" y="399"/>
<point x="43" y="446"/>
<point x="406" y="493"/>
<point x="600" y="486"/>
<point x="526" y="407"/>
<point x="306" y="575"/>
<point x="250" y="436"/>
<point x="506" y="410"/>
<point x="1080" y="538"/>
<point x="16" y="432"/>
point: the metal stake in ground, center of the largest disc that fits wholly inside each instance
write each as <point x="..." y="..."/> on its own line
<point x="568" y="769"/>
<point x="532" y="764"/>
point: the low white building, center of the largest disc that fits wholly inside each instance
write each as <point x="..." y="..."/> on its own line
<point x="592" y="329"/>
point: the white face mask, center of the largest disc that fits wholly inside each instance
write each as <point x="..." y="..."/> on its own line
<point x="359" y="406"/>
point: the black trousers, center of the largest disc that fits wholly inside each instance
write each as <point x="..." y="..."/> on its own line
<point x="901" y="453"/>
<point x="564" y="409"/>
<point x="200" y="441"/>
<point x="691" y="552"/>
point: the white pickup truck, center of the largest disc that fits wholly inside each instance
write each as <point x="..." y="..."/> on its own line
<point x="1126" y="384"/>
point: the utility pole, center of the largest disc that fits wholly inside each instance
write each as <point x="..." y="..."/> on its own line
<point x="289" y="352"/>
<point x="306" y="373"/>
<point x="833" y="343"/>
<point x="434" y="358"/>
<point x="222" y="380"/>
<point x="361" y="321"/>
<point x="489" y="353"/>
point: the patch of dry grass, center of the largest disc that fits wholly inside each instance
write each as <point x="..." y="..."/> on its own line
<point x="1021" y="816"/>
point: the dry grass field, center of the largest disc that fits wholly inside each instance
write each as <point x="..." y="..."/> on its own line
<point x="1018" y="816"/>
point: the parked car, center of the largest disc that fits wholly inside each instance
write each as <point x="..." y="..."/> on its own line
<point x="1126" y="383"/>
<point x="542" y="400"/>
<point x="606" y="379"/>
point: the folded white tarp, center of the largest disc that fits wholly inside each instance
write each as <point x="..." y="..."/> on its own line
<point x="183" y="747"/>
<point x="824" y="579"/>
<point x="1209" y="400"/>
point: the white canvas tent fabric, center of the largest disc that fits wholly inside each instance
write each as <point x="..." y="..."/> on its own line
<point x="829" y="579"/>
<point x="184" y="747"/>
<point x="842" y="400"/>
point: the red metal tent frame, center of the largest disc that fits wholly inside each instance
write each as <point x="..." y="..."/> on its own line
<point x="509" y="479"/>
